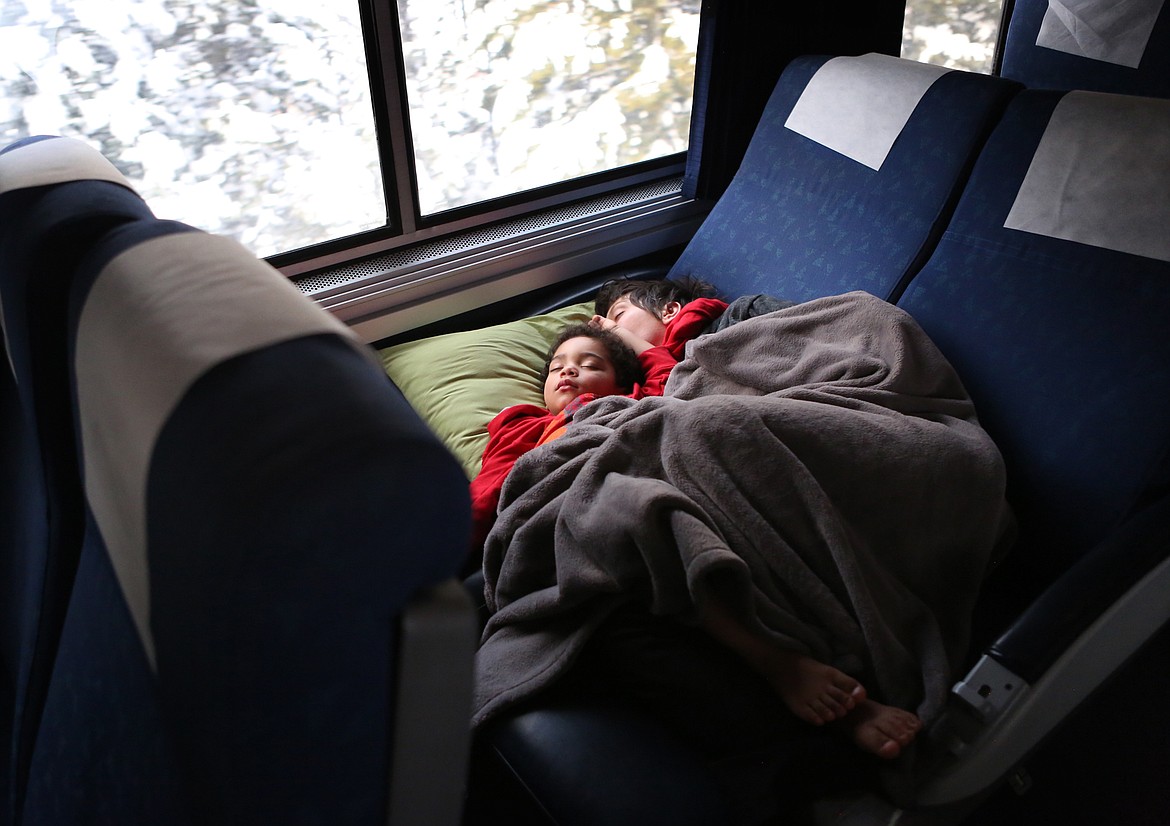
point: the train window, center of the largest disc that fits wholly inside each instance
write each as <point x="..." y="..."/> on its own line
<point x="263" y="120"/>
<point x="960" y="34"/>
<point x="223" y="114"/>
<point x="512" y="96"/>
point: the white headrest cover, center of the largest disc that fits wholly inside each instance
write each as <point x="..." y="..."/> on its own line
<point x="859" y="105"/>
<point x="55" y="161"/>
<point x="1101" y="175"/>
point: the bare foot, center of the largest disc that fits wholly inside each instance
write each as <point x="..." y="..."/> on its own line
<point x="880" y="729"/>
<point x="814" y="692"/>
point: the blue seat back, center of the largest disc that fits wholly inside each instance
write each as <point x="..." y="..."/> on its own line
<point x="57" y="196"/>
<point x="1101" y="46"/>
<point x="848" y="180"/>
<point x="261" y="502"/>
<point x="1050" y="292"/>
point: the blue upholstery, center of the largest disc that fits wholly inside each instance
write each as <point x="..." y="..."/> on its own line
<point x="22" y="524"/>
<point x="802" y="221"/>
<point x="1062" y="344"/>
<point x="261" y="503"/>
<point x="56" y="197"/>
<point x="1042" y="67"/>
<point x="799" y="221"/>
<point x="1049" y="292"/>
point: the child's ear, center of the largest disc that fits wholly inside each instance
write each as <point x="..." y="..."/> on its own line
<point x="671" y="309"/>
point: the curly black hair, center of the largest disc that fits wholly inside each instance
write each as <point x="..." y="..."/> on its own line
<point x="626" y="366"/>
<point x="652" y="295"/>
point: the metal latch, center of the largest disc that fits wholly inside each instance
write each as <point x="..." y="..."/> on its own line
<point x="989" y="688"/>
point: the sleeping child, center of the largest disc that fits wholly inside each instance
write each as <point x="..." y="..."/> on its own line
<point x="585" y="362"/>
<point x="671" y="312"/>
<point x="658" y="313"/>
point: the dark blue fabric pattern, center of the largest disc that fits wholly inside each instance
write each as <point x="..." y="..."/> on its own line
<point x="102" y="754"/>
<point x="1062" y="347"/>
<point x="284" y="541"/>
<point x="295" y="502"/>
<point x="801" y="221"/>
<point x="43" y="232"/>
<point x="22" y="525"/>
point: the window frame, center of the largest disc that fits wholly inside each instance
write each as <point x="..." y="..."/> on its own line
<point x="529" y="248"/>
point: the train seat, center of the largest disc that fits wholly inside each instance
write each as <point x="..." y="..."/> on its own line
<point x="57" y="195"/>
<point x="848" y="179"/>
<point x="1049" y="292"/>
<point x="812" y="211"/>
<point x="263" y="610"/>
<point x="1097" y="45"/>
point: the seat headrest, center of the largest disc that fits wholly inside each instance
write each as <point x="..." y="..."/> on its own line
<point x="1108" y="31"/>
<point x="162" y="310"/>
<point x="43" y="161"/>
<point x="858" y="106"/>
<point x="1064" y="195"/>
<point x="1098" y="45"/>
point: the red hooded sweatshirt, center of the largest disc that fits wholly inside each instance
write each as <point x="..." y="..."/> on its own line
<point x="517" y="429"/>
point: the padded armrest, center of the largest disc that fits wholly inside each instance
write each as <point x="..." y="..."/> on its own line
<point x="432" y="737"/>
<point x="1063" y="612"/>
<point x="1057" y="654"/>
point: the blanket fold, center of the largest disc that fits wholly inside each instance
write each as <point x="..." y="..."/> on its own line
<point x="822" y="466"/>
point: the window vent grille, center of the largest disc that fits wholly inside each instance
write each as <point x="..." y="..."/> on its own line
<point x="348" y="274"/>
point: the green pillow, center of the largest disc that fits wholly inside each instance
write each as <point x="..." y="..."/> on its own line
<point x="458" y="382"/>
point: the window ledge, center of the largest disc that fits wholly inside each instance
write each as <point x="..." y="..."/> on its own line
<point x="406" y="288"/>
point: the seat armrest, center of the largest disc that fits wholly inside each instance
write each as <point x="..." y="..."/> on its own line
<point x="1067" y="608"/>
<point x="1052" y="659"/>
<point x="432" y="708"/>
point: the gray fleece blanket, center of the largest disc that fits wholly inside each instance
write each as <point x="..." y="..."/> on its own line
<point x="822" y="466"/>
